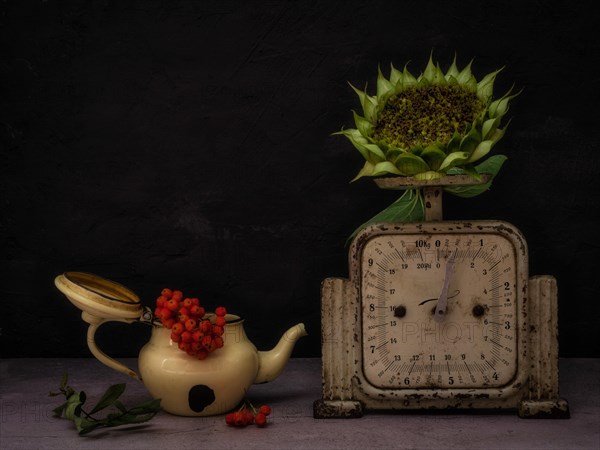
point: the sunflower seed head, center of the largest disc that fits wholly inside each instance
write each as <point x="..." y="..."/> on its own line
<point x="424" y="115"/>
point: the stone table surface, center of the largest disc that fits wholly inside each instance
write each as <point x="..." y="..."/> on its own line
<point x="27" y="422"/>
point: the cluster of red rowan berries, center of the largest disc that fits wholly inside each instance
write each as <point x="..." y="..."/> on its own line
<point x="247" y="416"/>
<point x="195" y="332"/>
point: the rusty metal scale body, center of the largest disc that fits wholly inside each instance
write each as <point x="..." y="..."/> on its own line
<point x="439" y="315"/>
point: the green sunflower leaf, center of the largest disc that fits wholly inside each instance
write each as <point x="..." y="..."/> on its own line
<point x="481" y="150"/>
<point x="433" y="73"/>
<point x="385" y="168"/>
<point x="408" y="208"/>
<point x="374" y="152"/>
<point x="361" y="95"/>
<point x="416" y="150"/>
<point x="433" y="155"/>
<point x="371" y="152"/>
<point x="454" y="159"/>
<point x="383" y="85"/>
<point x="489" y="126"/>
<point x="497" y="134"/>
<point x="465" y="75"/>
<point x="451" y="80"/>
<point x="469" y="169"/>
<point x="429" y="175"/>
<point x="363" y="125"/>
<point x="408" y="79"/>
<point x="423" y="82"/>
<point x="395" y="75"/>
<point x="452" y="72"/>
<point x="485" y="88"/>
<point x="368" y="103"/>
<point x="392" y="153"/>
<point x="454" y="143"/>
<point x="471" y="83"/>
<point x="370" y="109"/>
<point x="499" y="108"/>
<point x="366" y="171"/>
<point x="470" y="141"/>
<point x="409" y="164"/>
<point x="490" y="166"/>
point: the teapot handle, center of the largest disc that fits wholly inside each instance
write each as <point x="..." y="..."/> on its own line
<point x="94" y="323"/>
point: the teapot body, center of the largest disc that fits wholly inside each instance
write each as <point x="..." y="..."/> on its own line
<point x="188" y="386"/>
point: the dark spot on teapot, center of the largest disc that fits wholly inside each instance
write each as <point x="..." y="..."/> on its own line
<point x="199" y="397"/>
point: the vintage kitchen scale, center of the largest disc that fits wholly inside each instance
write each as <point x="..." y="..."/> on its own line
<point x="439" y="315"/>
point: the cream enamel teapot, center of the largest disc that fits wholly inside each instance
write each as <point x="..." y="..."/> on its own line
<point x="186" y="386"/>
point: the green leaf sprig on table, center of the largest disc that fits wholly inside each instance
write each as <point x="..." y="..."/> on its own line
<point x="85" y="422"/>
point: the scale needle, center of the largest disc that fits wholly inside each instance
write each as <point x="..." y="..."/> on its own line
<point x="442" y="304"/>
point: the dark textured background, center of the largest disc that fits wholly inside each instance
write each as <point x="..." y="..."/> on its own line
<point x="187" y="144"/>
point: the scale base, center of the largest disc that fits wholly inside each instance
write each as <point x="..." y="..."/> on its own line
<point x="340" y="409"/>
<point x="544" y="409"/>
<point x="538" y="398"/>
<point x="528" y="409"/>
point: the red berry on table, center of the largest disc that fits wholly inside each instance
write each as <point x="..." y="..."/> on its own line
<point x="260" y="420"/>
<point x="195" y="301"/>
<point x="265" y="409"/>
<point x="166" y="292"/>
<point x="187" y="302"/>
<point x="175" y="337"/>
<point x="248" y="417"/>
<point x="229" y="419"/>
<point x="169" y="323"/>
<point x="177" y="295"/>
<point x="238" y="419"/>
<point x="162" y="301"/>
<point x="220" y="311"/>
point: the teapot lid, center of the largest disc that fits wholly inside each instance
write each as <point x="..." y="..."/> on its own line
<point x="98" y="296"/>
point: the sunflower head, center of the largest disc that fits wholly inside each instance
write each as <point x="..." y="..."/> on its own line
<point x="424" y="126"/>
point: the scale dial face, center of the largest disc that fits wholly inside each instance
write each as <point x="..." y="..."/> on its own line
<point x="439" y="310"/>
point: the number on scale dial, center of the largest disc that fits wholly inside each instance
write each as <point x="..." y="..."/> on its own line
<point x="439" y="311"/>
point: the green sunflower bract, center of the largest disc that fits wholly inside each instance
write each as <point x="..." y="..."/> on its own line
<point x="427" y="125"/>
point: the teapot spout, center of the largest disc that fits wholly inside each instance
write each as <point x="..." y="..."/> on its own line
<point x="272" y="362"/>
